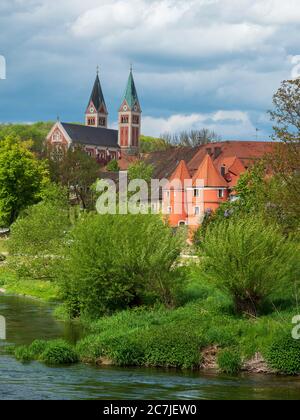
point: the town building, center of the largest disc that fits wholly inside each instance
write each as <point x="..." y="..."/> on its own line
<point x="94" y="136"/>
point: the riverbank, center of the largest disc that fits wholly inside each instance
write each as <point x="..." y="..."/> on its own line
<point x="201" y="335"/>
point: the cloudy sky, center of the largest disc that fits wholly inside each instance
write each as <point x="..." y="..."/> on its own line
<point x="197" y="63"/>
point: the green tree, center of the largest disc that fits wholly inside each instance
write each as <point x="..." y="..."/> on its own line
<point x="116" y="261"/>
<point x="151" y="144"/>
<point x="140" y="170"/>
<point x="113" y="166"/>
<point x="76" y="171"/>
<point x="22" y="178"/>
<point x="37" y="239"/>
<point x="36" y="132"/>
<point x="250" y="260"/>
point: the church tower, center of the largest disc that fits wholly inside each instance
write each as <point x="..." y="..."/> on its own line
<point x="130" y="119"/>
<point x="96" y="114"/>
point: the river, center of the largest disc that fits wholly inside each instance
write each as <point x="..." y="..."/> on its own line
<point x="29" y="319"/>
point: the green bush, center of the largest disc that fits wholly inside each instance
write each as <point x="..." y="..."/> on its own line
<point x="229" y="361"/>
<point x="58" y="352"/>
<point x="37" y="348"/>
<point x="284" y="355"/>
<point x="23" y="354"/>
<point x="113" y="166"/>
<point x="250" y="261"/>
<point x="116" y="261"/>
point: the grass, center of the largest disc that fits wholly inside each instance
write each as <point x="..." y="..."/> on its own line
<point x="3" y="245"/>
<point x="40" y="289"/>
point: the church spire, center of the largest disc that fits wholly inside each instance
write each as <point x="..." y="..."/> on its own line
<point x="130" y="95"/>
<point x="130" y="118"/>
<point x="96" y="113"/>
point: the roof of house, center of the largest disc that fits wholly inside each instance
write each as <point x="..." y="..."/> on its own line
<point x="247" y="151"/>
<point x="130" y="94"/>
<point x="165" y="162"/>
<point x="97" y="96"/>
<point x="94" y="136"/>
<point x="181" y="172"/>
<point x="209" y="174"/>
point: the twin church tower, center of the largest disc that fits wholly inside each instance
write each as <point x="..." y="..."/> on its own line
<point x="93" y="136"/>
<point x="129" y="121"/>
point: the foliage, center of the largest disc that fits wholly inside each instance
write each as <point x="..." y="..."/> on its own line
<point x="229" y="361"/>
<point x="113" y="166"/>
<point x="116" y="261"/>
<point x="37" y="238"/>
<point x="151" y="144"/>
<point x="285" y="161"/>
<point x="55" y="352"/>
<point x="22" y="178"/>
<point x="36" y="133"/>
<point x="284" y="355"/>
<point x="140" y="170"/>
<point x="250" y="260"/>
<point x="76" y="171"/>
<point x="191" y="138"/>
<point x="58" y="352"/>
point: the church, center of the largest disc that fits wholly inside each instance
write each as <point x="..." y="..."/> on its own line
<point x="94" y="136"/>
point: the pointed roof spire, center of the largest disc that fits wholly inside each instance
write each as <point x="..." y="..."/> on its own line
<point x="181" y="172"/>
<point x="97" y="96"/>
<point x="131" y="95"/>
<point x="209" y="174"/>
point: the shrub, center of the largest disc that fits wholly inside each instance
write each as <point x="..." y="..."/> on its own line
<point x="113" y="166"/>
<point x="172" y="346"/>
<point x="250" y="261"/>
<point x="58" y="352"/>
<point x="115" y="261"/>
<point x="229" y="361"/>
<point x="23" y="354"/>
<point x="284" y="355"/>
<point x="37" y="348"/>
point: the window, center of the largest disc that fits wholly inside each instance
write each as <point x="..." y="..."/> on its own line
<point x="220" y="193"/>
<point x="102" y="121"/>
<point x="196" y="193"/>
<point x="124" y="119"/>
<point x="91" y="121"/>
<point x="58" y="153"/>
<point x="169" y="210"/>
<point x="181" y="223"/>
<point x="168" y="194"/>
<point x="56" y="136"/>
<point x="223" y="170"/>
<point x="135" y="119"/>
<point x="197" y="211"/>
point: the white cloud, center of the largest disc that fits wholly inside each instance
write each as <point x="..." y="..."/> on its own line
<point x="228" y="124"/>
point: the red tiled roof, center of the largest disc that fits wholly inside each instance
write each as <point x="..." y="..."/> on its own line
<point x="181" y="172"/>
<point x="208" y="172"/>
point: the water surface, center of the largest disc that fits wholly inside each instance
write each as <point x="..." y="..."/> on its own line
<point x="29" y="319"/>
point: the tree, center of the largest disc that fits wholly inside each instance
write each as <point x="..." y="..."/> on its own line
<point x="76" y="171"/>
<point x="37" y="238"/>
<point x="191" y="138"/>
<point x="140" y="170"/>
<point x="113" y="166"/>
<point x="22" y="178"/>
<point x="151" y="144"/>
<point x="36" y="133"/>
<point x="115" y="261"/>
<point x="285" y="162"/>
<point x="250" y="261"/>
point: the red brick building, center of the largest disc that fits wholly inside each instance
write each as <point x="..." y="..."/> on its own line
<point x="97" y="140"/>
